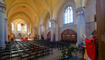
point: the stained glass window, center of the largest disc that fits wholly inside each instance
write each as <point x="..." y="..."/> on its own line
<point x="49" y="24"/>
<point x="25" y="27"/>
<point x="13" y="27"/>
<point x="68" y="15"/>
<point x="18" y="27"/>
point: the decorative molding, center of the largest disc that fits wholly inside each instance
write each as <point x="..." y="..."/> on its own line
<point x="52" y="21"/>
<point x="80" y="11"/>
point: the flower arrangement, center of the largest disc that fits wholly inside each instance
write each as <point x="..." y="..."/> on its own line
<point x="66" y="52"/>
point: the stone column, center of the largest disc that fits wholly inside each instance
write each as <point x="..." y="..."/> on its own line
<point x="56" y="36"/>
<point x="2" y="25"/>
<point x="45" y="32"/>
<point x="52" y="30"/>
<point x="40" y="31"/>
<point x="6" y="30"/>
<point x="80" y="25"/>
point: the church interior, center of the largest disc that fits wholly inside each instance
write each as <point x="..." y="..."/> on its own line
<point x="52" y="30"/>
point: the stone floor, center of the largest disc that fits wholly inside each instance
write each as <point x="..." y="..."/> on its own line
<point x="56" y="55"/>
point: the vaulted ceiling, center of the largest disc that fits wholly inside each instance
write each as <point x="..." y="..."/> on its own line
<point x="33" y="11"/>
<point x="29" y="10"/>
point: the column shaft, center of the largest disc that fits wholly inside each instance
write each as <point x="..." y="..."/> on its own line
<point x="2" y="30"/>
<point x="80" y="26"/>
<point x="2" y="25"/>
<point x="52" y="31"/>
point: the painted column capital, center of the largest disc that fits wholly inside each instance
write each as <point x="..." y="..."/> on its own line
<point x="2" y="7"/>
<point x="80" y="11"/>
<point x="53" y="20"/>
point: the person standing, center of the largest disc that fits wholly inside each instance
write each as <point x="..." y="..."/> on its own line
<point x="90" y="46"/>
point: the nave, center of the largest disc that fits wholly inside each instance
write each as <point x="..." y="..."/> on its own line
<point x="52" y="30"/>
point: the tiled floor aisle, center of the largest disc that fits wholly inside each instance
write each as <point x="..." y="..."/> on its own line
<point x="55" y="56"/>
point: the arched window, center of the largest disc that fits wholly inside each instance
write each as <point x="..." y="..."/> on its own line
<point x="25" y="27"/>
<point x="49" y="24"/>
<point x="68" y="15"/>
<point x="18" y="27"/>
<point x="13" y="27"/>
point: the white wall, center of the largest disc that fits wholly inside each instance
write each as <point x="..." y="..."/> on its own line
<point x="90" y="11"/>
<point x="60" y="19"/>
